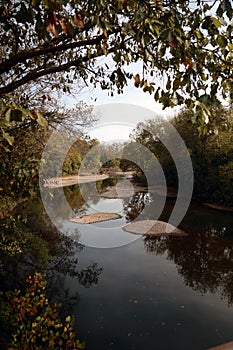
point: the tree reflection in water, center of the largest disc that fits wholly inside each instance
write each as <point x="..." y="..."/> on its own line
<point x="135" y="205"/>
<point x="47" y="251"/>
<point x="204" y="260"/>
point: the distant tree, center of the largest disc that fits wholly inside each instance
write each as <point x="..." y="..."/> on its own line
<point x="110" y="154"/>
<point x="152" y="134"/>
<point x="210" y="148"/>
<point x="211" y="151"/>
<point x="23" y="140"/>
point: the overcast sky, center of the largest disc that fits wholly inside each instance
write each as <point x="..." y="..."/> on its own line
<point x="119" y="114"/>
<point x="115" y="121"/>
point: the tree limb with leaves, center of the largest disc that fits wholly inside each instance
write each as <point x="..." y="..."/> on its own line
<point x="187" y="44"/>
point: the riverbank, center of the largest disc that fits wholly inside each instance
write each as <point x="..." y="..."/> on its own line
<point x="82" y="178"/>
<point x="218" y="207"/>
<point x="170" y="192"/>
<point x="73" y="180"/>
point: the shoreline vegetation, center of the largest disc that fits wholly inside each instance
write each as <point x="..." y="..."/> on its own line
<point x="82" y="178"/>
<point x="171" y="192"/>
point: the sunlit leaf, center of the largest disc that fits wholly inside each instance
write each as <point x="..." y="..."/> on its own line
<point x="8" y="138"/>
<point x="8" y="115"/>
<point x="216" y="22"/>
<point x="41" y="120"/>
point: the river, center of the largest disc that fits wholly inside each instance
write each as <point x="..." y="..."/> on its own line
<point x="150" y="293"/>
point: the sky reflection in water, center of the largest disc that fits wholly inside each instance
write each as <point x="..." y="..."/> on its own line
<point x="160" y="293"/>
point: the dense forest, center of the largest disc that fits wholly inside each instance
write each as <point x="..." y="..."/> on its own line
<point x="210" y="149"/>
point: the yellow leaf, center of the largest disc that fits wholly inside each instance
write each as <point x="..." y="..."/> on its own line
<point x="68" y="319"/>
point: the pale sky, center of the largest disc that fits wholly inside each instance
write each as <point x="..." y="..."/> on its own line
<point x="119" y="115"/>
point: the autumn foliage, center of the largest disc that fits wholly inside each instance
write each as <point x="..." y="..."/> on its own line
<point x="38" y="325"/>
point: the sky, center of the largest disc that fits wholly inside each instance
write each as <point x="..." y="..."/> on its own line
<point x="119" y="115"/>
<point x="116" y="125"/>
<point x="115" y="121"/>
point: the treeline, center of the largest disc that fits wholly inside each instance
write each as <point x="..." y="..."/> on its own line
<point x="210" y="146"/>
<point x="23" y="142"/>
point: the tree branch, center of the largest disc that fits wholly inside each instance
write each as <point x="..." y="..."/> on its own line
<point x="49" y="70"/>
<point x="23" y="56"/>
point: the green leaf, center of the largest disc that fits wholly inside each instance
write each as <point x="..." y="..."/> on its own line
<point x="198" y="34"/>
<point x="156" y="95"/>
<point x="165" y="34"/>
<point x="47" y="3"/>
<point x="220" y="10"/>
<point x="222" y="41"/>
<point x="71" y="29"/>
<point x="8" y="115"/>
<point x="26" y="112"/>
<point x="168" y="85"/>
<point x="35" y="3"/>
<point x="206" y="23"/>
<point x="68" y="319"/>
<point x="216" y="22"/>
<point x="8" y="138"/>
<point x="41" y="120"/>
<point x="121" y="76"/>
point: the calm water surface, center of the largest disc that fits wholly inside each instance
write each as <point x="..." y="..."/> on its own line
<point x="161" y="293"/>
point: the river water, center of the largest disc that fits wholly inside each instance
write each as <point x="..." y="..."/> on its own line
<point x="152" y="293"/>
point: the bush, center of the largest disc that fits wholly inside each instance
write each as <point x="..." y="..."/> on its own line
<point x="35" y="323"/>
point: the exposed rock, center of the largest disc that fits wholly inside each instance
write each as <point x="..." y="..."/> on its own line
<point x="153" y="227"/>
<point x="96" y="217"/>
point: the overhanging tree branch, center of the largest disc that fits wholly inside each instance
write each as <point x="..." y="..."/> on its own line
<point x="171" y="38"/>
<point x="48" y="70"/>
<point x="23" y="56"/>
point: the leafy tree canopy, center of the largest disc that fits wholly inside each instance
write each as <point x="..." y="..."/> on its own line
<point x="210" y="149"/>
<point x="187" y="44"/>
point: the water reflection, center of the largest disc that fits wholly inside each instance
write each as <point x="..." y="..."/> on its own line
<point x="205" y="257"/>
<point x="89" y="276"/>
<point x="204" y="260"/>
<point x="57" y="290"/>
<point x="48" y="251"/>
<point x="135" y="205"/>
<point x="140" y="299"/>
<point x="103" y="234"/>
